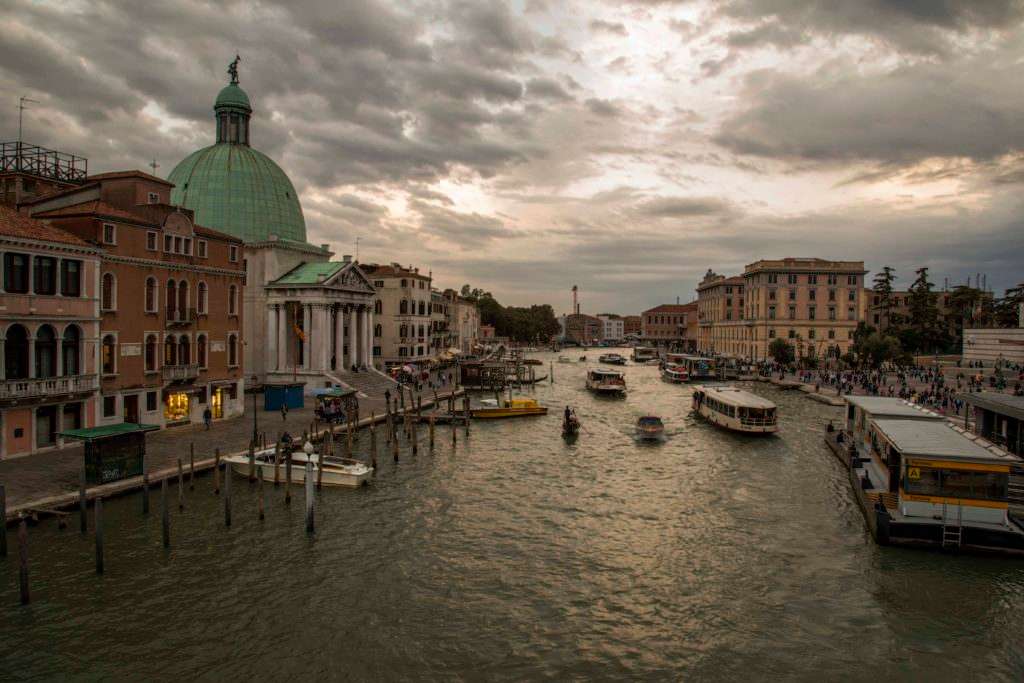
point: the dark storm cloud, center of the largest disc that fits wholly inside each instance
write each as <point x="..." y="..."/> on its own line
<point x="901" y="117"/>
<point x="684" y="207"/>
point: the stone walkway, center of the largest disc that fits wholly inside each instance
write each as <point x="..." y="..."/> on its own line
<point x="50" y="479"/>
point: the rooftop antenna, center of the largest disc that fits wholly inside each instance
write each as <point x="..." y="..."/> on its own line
<point x="22" y="101"/>
<point x="357" y="247"/>
<point x="153" y="165"/>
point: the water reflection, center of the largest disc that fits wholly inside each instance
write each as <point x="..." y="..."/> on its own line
<point x="518" y="555"/>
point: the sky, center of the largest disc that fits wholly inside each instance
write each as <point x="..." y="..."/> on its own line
<point x="622" y="146"/>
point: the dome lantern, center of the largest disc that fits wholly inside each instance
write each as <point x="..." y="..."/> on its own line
<point x="233" y="110"/>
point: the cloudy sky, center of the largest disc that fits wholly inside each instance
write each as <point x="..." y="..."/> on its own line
<point x="625" y="147"/>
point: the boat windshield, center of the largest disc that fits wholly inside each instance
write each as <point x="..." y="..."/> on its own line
<point x="649" y="421"/>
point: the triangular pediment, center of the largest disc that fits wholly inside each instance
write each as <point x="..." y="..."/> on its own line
<point x="350" y="278"/>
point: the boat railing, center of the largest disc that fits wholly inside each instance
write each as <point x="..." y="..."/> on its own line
<point x="757" y="421"/>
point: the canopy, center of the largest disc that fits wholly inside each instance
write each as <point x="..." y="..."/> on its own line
<point x="107" y="431"/>
<point x="333" y="392"/>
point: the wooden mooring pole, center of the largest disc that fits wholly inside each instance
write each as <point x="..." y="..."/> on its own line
<point x="192" y="466"/>
<point x="373" y="445"/>
<point x="277" y="462"/>
<point x="252" y="462"/>
<point x="431" y="431"/>
<point x="227" y="494"/>
<point x="98" y="511"/>
<point x="165" y="515"/>
<point x="83" y="523"/>
<point x="23" y="561"/>
<point x="3" y="520"/>
<point x="259" y="492"/>
<point x="216" y="471"/>
<point x="181" y="486"/>
<point x="288" y="477"/>
<point x="309" y="496"/>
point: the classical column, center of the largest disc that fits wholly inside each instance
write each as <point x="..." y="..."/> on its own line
<point x="353" y="342"/>
<point x="3" y="360"/>
<point x="339" y="338"/>
<point x="368" y="346"/>
<point x="307" y="329"/>
<point x="323" y="337"/>
<point x="281" y="311"/>
<point x="271" y="353"/>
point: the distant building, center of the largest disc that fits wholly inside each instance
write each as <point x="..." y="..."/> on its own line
<point x="900" y="308"/>
<point x="486" y="332"/>
<point x="581" y="328"/>
<point x="403" y="313"/>
<point x="669" y="325"/>
<point x="631" y="325"/>
<point x="613" y="327"/>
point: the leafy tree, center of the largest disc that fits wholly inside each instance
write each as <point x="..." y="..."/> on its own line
<point x="966" y="308"/>
<point x="883" y="290"/>
<point x="1006" y="311"/>
<point x="782" y="351"/>
<point x="532" y="324"/>
<point x="924" y="312"/>
<point x="878" y="348"/>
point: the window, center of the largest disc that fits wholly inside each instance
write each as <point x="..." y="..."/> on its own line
<point x="378" y="284"/>
<point x="833" y="278"/>
<point x="172" y="300"/>
<point x="151" y="353"/>
<point x="71" y="277"/>
<point x="771" y="333"/>
<point x="71" y="350"/>
<point x="403" y="307"/>
<point x="852" y="295"/>
<point x="109" y="234"/>
<point x="812" y="279"/>
<point x="186" y="246"/>
<point x="402" y="351"/>
<point x="773" y="278"/>
<point x="851" y="313"/>
<point x="232" y="300"/>
<point x="168" y="243"/>
<point x="109" y="355"/>
<point x="831" y="312"/>
<point x="792" y="295"/>
<point x="201" y="298"/>
<point x="378" y="330"/>
<point x="810" y="312"/>
<point x="109" y="406"/>
<point x="378" y="307"/>
<point x="792" y="334"/>
<point x="791" y="278"/>
<point x="201" y="350"/>
<point x="771" y="295"/>
<point x="154" y="198"/>
<point x="150" y="401"/>
<point x="201" y="248"/>
<point x="46" y="352"/>
<point x="108" y="296"/>
<point x="151" y="241"/>
<point x="812" y="294"/>
<point x="771" y="313"/>
<point x="151" y="294"/>
<point x="16" y="273"/>
<point x="184" y="350"/>
<point x="45" y="275"/>
<point x="810" y="333"/>
<point x="792" y="312"/>
<point x="177" y="245"/>
<point x="232" y="350"/>
<point x="170" y="351"/>
<point x="233" y="253"/>
<point x="851" y="280"/>
<point x="405" y="283"/>
<point x="831" y="334"/>
<point x="831" y="295"/>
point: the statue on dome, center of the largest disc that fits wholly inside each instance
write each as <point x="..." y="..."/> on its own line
<point x="233" y="70"/>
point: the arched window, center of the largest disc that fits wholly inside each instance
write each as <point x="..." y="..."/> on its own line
<point x="420" y="331"/>
<point x="109" y="355"/>
<point x="16" y="352"/>
<point x="71" y="350"/>
<point x="170" y="351"/>
<point x="172" y="300"/>
<point x="232" y="300"/>
<point x="403" y="307"/>
<point x="151" y="353"/>
<point x="232" y="350"/>
<point x="201" y="297"/>
<point x="151" y="295"/>
<point x="46" y="352"/>
<point x="184" y="350"/>
<point x="183" y="300"/>
<point x="405" y="283"/>
<point x="378" y="329"/>
<point x="403" y="331"/>
<point x="108" y="295"/>
<point x="378" y="307"/>
<point x="201" y="350"/>
<point x="423" y="308"/>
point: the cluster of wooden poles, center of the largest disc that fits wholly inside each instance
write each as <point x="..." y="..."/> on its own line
<point x="397" y="422"/>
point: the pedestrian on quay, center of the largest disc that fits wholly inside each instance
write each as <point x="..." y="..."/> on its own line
<point x="284" y="412"/>
<point x="207" y="417"/>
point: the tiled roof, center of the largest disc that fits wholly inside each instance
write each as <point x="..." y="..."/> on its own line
<point x="309" y="273"/>
<point x="91" y="208"/>
<point x="15" y="224"/>
<point x="116" y="175"/>
<point x="673" y="308"/>
<point x="377" y="270"/>
<point x="217" y="234"/>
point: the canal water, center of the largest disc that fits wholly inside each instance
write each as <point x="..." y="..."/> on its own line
<point x="514" y="556"/>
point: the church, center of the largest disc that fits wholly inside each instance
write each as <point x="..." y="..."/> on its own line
<point x="306" y="318"/>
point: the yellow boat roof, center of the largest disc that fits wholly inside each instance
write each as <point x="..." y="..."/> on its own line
<point x="522" y="403"/>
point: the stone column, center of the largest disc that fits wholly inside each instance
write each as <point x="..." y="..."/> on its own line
<point x="3" y="359"/>
<point x="281" y="312"/>
<point x="368" y="347"/>
<point x="307" y="329"/>
<point x="323" y="337"/>
<point x="339" y="339"/>
<point x="353" y="342"/>
<point x="32" y="355"/>
<point x="271" y="351"/>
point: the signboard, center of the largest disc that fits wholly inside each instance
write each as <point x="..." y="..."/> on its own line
<point x="217" y="347"/>
<point x="913" y="473"/>
<point x="131" y="350"/>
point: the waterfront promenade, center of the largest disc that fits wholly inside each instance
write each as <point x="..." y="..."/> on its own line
<point x="50" y="479"/>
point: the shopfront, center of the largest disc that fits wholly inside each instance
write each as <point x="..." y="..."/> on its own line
<point x="177" y="406"/>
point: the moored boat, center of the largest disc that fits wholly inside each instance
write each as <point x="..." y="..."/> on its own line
<point x="675" y="374"/>
<point x="642" y="354"/>
<point x="564" y="359"/>
<point x="735" y="409"/>
<point x="612" y="359"/>
<point x="337" y="471"/>
<point x="650" y="428"/>
<point x="516" y="407"/>
<point x="608" y="382"/>
<point x="697" y="368"/>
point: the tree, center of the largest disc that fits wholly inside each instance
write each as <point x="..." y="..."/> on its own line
<point x="883" y="290"/>
<point x="966" y="308"/>
<point x="924" y="312"/>
<point x="782" y="351"/>
<point x="878" y="348"/>
<point x="1007" y="310"/>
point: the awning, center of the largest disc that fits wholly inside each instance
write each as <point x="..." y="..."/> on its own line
<point x="333" y="392"/>
<point x="107" y="431"/>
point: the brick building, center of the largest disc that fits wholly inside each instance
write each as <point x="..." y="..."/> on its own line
<point x="670" y="325"/>
<point x="170" y="295"/>
<point x="631" y="325"/>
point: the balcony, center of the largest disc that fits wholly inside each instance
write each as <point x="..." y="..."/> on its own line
<point x="177" y="373"/>
<point x="25" y="389"/>
<point x="181" y="318"/>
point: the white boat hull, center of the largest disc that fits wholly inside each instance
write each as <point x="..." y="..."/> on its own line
<point x="733" y="423"/>
<point x="352" y="476"/>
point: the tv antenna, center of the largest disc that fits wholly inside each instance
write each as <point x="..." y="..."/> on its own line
<point x="22" y="101"/>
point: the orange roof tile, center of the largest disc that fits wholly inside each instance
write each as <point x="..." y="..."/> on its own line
<point x="115" y="175"/>
<point x="93" y="207"/>
<point x="15" y="224"/>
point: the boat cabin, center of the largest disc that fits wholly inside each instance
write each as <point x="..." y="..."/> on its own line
<point x="861" y="410"/>
<point x="697" y="367"/>
<point x="644" y="353"/>
<point x="999" y="418"/>
<point x="735" y="409"/>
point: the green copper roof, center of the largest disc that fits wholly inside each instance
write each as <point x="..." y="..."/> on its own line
<point x="232" y="96"/>
<point x="106" y="431"/>
<point x="309" y="273"/>
<point x="238" y="190"/>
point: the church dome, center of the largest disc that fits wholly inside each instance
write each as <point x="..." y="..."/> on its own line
<point x="234" y="188"/>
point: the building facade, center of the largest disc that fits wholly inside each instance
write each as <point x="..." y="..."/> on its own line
<point x="466" y="325"/>
<point x="631" y="325"/>
<point x="50" y="327"/>
<point x="669" y="325"/>
<point x="402" y="308"/>
<point x="580" y="328"/>
<point x="170" y="300"/>
<point x="814" y="304"/>
<point x="614" y="327"/>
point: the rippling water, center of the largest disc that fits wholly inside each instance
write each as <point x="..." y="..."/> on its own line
<point x="516" y="556"/>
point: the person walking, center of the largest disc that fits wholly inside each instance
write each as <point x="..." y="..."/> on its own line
<point x="284" y="412"/>
<point x="207" y="417"/>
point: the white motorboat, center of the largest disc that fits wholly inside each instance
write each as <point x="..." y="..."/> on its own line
<point x="565" y="359"/>
<point x="607" y="382"/>
<point x="337" y="471"/>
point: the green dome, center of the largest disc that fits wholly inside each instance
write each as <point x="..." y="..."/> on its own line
<point x="232" y="96"/>
<point x="238" y="190"/>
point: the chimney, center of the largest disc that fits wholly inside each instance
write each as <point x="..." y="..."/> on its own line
<point x="347" y="258"/>
<point x="325" y="247"/>
<point x="677" y="301"/>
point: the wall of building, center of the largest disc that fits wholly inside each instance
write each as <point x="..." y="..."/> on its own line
<point x="990" y="345"/>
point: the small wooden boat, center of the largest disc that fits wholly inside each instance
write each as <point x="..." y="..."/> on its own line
<point x="583" y="359"/>
<point x="676" y="374"/>
<point x="608" y="382"/>
<point x="516" y="407"/>
<point x="564" y="359"/>
<point x="570" y="427"/>
<point x="650" y="428"/>
<point x="612" y="359"/>
<point x="337" y="471"/>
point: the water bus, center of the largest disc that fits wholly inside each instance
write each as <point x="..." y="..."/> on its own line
<point x="564" y="359"/>
<point x="676" y="374"/>
<point x="612" y="359"/>
<point x="608" y="382"/>
<point x="642" y="354"/>
<point x="735" y="409"/>
<point x="697" y="367"/>
<point x="515" y="407"/>
<point x="337" y="471"/>
<point x="928" y="483"/>
<point x="650" y="428"/>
